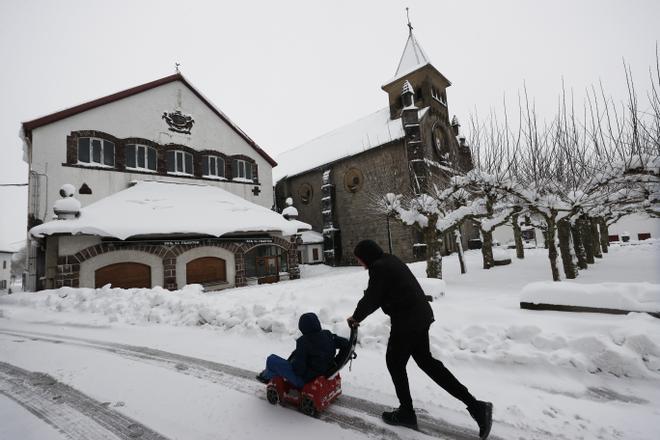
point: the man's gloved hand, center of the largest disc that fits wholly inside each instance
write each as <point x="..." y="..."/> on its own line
<point x="352" y="322"/>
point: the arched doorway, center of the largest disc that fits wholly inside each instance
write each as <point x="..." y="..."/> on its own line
<point x="206" y="271"/>
<point x="265" y="263"/>
<point x="123" y="275"/>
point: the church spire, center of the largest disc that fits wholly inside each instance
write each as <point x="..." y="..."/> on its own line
<point x="413" y="55"/>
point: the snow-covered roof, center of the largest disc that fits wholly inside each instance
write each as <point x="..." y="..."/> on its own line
<point x="361" y="135"/>
<point x="413" y="57"/>
<point x="164" y="208"/>
<point x="312" y="237"/>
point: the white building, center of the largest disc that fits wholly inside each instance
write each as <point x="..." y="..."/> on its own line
<point x="163" y="131"/>
<point x="5" y="270"/>
<point x="310" y="251"/>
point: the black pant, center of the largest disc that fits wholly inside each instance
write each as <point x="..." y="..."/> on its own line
<point x="404" y="343"/>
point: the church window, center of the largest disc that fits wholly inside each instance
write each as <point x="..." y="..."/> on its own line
<point x="213" y="166"/>
<point x="242" y="169"/>
<point x="140" y="157"/>
<point x="95" y="151"/>
<point x="179" y="162"/>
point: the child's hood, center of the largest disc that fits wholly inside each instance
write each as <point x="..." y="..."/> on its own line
<point x="309" y="323"/>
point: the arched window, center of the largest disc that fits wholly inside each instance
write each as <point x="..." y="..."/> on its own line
<point x="140" y="157"/>
<point x="96" y="151"/>
<point x="213" y="166"/>
<point x="179" y="162"/>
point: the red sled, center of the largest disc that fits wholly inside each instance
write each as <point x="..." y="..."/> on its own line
<point x="318" y="394"/>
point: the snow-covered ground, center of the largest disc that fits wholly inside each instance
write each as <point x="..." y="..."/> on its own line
<point x="549" y="374"/>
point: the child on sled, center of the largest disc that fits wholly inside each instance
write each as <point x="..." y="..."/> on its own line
<point x="314" y="354"/>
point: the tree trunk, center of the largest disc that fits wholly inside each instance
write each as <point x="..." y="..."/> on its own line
<point x="567" y="256"/>
<point x="552" y="247"/>
<point x="604" y="235"/>
<point x="459" y="246"/>
<point x="487" y="249"/>
<point x="433" y="251"/>
<point x="587" y="240"/>
<point x="579" y="246"/>
<point x="596" y="238"/>
<point x="517" y="236"/>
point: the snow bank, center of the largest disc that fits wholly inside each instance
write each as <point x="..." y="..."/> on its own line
<point x="639" y="297"/>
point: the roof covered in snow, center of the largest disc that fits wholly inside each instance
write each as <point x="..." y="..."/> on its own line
<point x="312" y="237"/>
<point x="413" y="57"/>
<point x="361" y="135"/>
<point x="151" y="208"/>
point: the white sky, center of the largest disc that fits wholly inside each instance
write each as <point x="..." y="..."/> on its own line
<point x="289" y="71"/>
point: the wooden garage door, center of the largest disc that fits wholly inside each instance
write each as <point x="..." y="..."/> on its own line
<point x="206" y="270"/>
<point x="124" y="275"/>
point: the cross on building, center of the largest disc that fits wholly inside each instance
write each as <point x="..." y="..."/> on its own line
<point x="256" y="190"/>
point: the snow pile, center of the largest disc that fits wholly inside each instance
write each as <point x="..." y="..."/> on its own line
<point x="640" y="297"/>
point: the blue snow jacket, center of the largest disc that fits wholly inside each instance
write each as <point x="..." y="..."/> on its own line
<point x="315" y="349"/>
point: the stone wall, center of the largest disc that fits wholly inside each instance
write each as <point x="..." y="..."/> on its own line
<point x="68" y="266"/>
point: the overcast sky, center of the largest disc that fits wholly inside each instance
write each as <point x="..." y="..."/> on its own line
<point x="289" y="71"/>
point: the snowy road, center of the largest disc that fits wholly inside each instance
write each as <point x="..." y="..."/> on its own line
<point x="72" y="413"/>
<point x="42" y="395"/>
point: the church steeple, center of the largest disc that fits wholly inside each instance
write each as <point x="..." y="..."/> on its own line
<point x="413" y="56"/>
<point x="426" y="82"/>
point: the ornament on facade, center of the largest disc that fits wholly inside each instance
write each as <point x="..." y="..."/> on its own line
<point x="353" y="180"/>
<point x="306" y="193"/>
<point x="178" y="122"/>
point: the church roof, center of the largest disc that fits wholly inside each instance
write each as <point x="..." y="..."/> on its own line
<point x="354" y="138"/>
<point x="413" y="57"/>
<point x="28" y="126"/>
<point x="165" y="208"/>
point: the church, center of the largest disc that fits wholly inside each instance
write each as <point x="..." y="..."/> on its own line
<point x="403" y="148"/>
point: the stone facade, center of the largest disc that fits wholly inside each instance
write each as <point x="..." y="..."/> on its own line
<point x="69" y="266"/>
<point x="428" y="154"/>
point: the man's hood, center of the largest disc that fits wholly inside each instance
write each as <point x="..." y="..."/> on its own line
<point x="368" y="251"/>
<point x="309" y="323"/>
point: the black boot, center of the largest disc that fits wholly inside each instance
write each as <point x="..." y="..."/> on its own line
<point x="482" y="413"/>
<point x="401" y="416"/>
<point x="261" y="378"/>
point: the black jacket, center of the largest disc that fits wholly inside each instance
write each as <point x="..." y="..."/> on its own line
<point x="392" y="287"/>
<point x="315" y="349"/>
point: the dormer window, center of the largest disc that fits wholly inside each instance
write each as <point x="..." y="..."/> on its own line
<point x="179" y="162"/>
<point x="140" y="157"/>
<point x="213" y="166"/>
<point x="95" y="151"/>
<point x="242" y="170"/>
